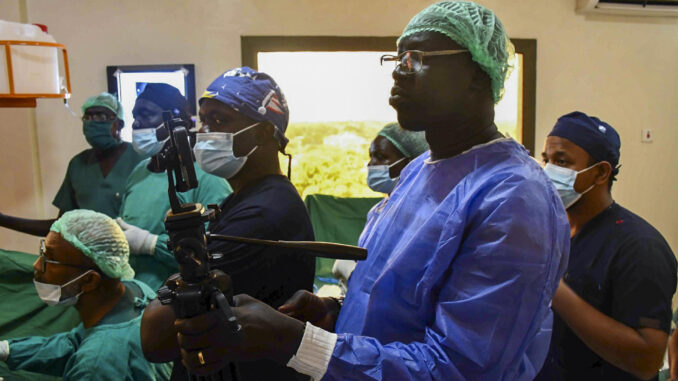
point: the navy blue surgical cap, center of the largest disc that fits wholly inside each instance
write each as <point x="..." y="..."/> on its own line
<point x="168" y="98"/>
<point x="253" y="94"/>
<point x="593" y="135"/>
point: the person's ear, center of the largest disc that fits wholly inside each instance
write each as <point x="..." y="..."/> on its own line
<point x="603" y="172"/>
<point x="264" y="133"/>
<point x="116" y="127"/>
<point x="90" y="281"/>
<point x="480" y="81"/>
<point x="396" y="169"/>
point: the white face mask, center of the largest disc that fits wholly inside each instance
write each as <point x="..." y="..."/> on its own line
<point x="563" y="179"/>
<point x="379" y="177"/>
<point x="214" y="153"/>
<point x="51" y="293"/>
<point x="146" y="142"/>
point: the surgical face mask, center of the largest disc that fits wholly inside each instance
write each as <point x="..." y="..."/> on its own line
<point x="98" y="134"/>
<point x="379" y="178"/>
<point x="146" y="142"/>
<point x="564" y="179"/>
<point x="214" y="153"/>
<point x="51" y="293"/>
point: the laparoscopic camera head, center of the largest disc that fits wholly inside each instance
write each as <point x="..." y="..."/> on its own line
<point x="176" y="157"/>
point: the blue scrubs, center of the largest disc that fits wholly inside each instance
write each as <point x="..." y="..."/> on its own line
<point x="463" y="261"/>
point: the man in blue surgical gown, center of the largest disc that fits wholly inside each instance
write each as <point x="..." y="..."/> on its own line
<point x="463" y="259"/>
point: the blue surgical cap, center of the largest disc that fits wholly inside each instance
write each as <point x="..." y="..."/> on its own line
<point x="593" y="135"/>
<point x="253" y="94"/>
<point x="168" y="98"/>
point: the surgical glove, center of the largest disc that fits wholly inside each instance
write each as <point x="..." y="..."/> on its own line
<point x="4" y="350"/>
<point x="140" y="241"/>
<point x="343" y="268"/>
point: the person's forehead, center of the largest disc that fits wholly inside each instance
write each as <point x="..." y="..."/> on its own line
<point x="558" y="145"/>
<point x="58" y="249"/>
<point x="146" y="104"/>
<point x="208" y="106"/>
<point x="427" y="41"/>
<point x="211" y="107"/>
<point x="97" y="109"/>
<point x="381" y="144"/>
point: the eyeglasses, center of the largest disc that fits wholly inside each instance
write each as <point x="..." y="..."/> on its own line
<point x="44" y="261"/>
<point x="410" y="61"/>
<point x="97" y="117"/>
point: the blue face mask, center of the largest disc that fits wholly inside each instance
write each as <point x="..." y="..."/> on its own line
<point x="214" y="153"/>
<point x="98" y="134"/>
<point x="563" y="179"/>
<point x="379" y="178"/>
<point x="146" y="142"/>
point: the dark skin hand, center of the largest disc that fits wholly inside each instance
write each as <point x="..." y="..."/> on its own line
<point x="308" y="307"/>
<point x="158" y="336"/>
<point x="159" y="333"/>
<point x="266" y="334"/>
<point x="638" y="351"/>
<point x="106" y="159"/>
<point x="209" y="334"/>
<point x="383" y="152"/>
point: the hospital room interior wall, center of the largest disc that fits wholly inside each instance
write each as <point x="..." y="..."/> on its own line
<point x="622" y="69"/>
<point x="20" y="190"/>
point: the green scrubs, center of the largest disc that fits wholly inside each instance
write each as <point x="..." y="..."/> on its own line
<point x="145" y="204"/>
<point x="23" y="313"/>
<point x="111" y="350"/>
<point x="85" y="186"/>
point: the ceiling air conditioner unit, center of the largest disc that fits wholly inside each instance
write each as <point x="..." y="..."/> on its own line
<point x="629" y="7"/>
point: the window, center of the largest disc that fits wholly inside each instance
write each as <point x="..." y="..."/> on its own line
<point x="129" y="81"/>
<point x="338" y="98"/>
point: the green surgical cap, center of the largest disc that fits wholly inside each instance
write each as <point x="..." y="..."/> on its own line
<point x="474" y="27"/>
<point x="104" y="100"/>
<point x="410" y="143"/>
<point x="98" y="237"/>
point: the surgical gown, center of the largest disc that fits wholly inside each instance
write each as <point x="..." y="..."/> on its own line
<point x="111" y="350"/>
<point x="463" y="261"/>
<point x="85" y="187"/>
<point x="145" y="204"/>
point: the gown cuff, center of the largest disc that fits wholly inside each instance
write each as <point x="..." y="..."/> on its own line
<point x="314" y="353"/>
<point x="4" y="350"/>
